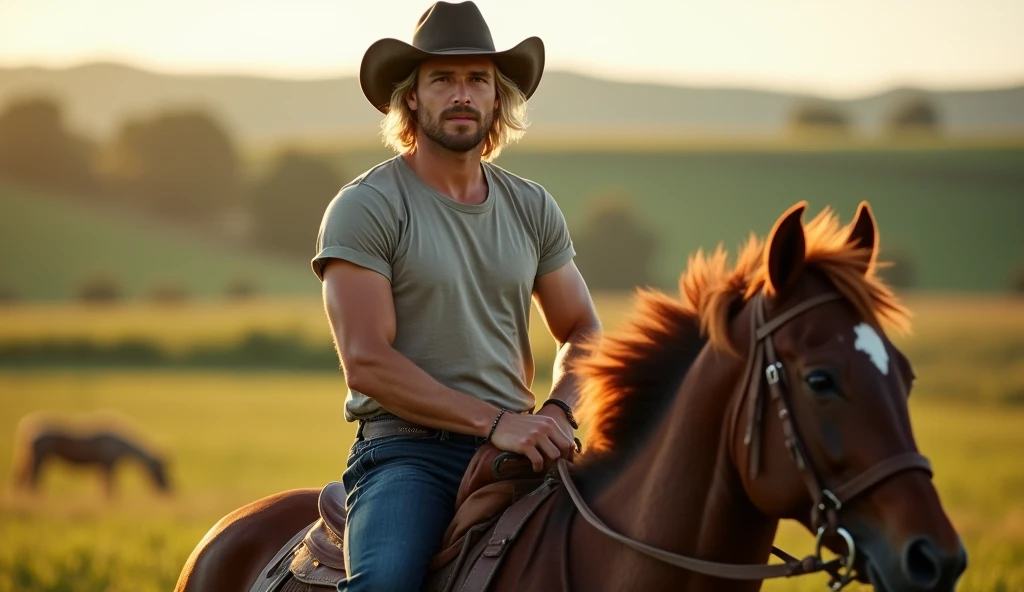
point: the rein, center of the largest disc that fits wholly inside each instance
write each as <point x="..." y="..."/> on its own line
<point x="827" y="502"/>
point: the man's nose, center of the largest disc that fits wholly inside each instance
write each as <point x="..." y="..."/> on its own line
<point x="461" y="93"/>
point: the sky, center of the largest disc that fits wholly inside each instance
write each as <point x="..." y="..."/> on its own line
<point x="841" y="48"/>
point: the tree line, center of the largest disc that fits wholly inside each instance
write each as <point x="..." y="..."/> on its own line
<point x="183" y="166"/>
<point x="180" y="166"/>
<point x="914" y="116"/>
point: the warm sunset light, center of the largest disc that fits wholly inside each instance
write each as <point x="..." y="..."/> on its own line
<point x="836" y="48"/>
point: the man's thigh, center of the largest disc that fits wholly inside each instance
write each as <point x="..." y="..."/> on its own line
<point x="401" y="500"/>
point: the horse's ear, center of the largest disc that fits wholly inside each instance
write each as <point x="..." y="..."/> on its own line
<point x="864" y="233"/>
<point x="786" y="248"/>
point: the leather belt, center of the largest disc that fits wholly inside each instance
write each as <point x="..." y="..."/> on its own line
<point x="389" y="424"/>
<point x="382" y="428"/>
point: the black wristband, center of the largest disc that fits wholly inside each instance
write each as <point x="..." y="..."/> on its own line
<point x="565" y="407"/>
<point x="494" y="425"/>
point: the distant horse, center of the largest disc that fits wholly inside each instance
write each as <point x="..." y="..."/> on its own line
<point x="767" y="391"/>
<point x="102" y="440"/>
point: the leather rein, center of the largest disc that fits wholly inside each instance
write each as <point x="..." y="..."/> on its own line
<point x="827" y="502"/>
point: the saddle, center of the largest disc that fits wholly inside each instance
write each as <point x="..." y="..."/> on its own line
<point x="498" y="495"/>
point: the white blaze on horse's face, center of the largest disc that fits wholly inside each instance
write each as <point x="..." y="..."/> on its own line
<point x="869" y="342"/>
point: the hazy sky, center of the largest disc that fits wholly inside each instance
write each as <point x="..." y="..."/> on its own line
<point x="835" y="47"/>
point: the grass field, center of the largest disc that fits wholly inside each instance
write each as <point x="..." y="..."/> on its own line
<point x="235" y="437"/>
<point x="83" y="241"/>
<point x="949" y="334"/>
<point x="952" y="212"/>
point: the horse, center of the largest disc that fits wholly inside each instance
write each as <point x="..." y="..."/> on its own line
<point x="766" y="391"/>
<point x="102" y="440"/>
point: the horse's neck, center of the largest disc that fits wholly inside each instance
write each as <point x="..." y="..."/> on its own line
<point x="680" y="493"/>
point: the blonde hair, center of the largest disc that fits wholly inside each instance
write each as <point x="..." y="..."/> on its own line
<point x="398" y="127"/>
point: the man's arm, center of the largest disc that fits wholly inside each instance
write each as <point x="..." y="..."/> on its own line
<point x="570" y="316"/>
<point x="361" y="312"/>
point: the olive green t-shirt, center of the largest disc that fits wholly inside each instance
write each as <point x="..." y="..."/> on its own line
<point x="461" y="275"/>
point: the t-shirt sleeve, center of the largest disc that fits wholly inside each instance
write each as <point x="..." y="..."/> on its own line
<point x="361" y="226"/>
<point x="556" y="247"/>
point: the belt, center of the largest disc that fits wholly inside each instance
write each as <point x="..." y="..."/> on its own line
<point x="387" y="424"/>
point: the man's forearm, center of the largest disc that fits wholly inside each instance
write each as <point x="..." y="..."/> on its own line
<point x="565" y="384"/>
<point x="406" y="390"/>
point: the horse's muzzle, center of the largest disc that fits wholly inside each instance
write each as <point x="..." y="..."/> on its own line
<point x="920" y="565"/>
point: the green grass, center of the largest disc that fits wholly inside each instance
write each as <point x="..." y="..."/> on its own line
<point x="235" y="438"/>
<point x="949" y="334"/>
<point x="52" y="244"/>
<point x="955" y="212"/>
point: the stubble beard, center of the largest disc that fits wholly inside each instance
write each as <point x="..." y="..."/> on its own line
<point x="433" y="128"/>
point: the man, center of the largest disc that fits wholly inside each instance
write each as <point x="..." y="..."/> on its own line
<point x="429" y="261"/>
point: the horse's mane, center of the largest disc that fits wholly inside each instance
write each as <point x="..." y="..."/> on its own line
<point x="630" y="372"/>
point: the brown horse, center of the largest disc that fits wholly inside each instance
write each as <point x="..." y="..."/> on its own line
<point x="102" y="440"/>
<point x="767" y="391"/>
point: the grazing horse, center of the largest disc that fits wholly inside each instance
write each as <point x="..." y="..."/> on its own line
<point x="768" y="390"/>
<point x="102" y="440"/>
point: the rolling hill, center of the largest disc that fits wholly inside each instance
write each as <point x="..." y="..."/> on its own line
<point x="953" y="215"/>
<point x="98" y="97"/>
<point x="52" y="244"/>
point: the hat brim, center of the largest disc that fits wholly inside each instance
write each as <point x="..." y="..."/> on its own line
<point x="388" y="61"/>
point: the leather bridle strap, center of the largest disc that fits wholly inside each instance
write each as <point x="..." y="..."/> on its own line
<point x="880" y="472"/>
<point x="732" y="571"/>
<point x="760" y="347"/>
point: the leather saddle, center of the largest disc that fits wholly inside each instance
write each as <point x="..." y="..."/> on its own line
<point x="498" y="494"/>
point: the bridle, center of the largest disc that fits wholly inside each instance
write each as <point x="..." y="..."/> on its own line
<point x="827" y="501"/>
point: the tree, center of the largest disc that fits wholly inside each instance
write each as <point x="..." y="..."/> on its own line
<point x="816" y="116"/>
<point x="615" y="249"/>
<point x="180" y="164"/>
<point x="37" y="148"/>
<point x="100" y="288"/>
<point x="1017" y="281"/>
<point x="915" y="115"/>
<point x="288" y="203"/>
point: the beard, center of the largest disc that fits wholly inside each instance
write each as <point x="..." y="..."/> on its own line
<point x="460" y="142"/>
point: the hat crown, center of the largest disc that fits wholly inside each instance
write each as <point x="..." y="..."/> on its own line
<point x="448" y="26"/>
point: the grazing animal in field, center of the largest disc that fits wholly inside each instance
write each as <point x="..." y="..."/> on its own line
<point x="103" y="440"/>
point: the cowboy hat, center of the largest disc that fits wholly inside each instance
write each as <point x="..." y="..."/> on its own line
<point x="446" y="29"/>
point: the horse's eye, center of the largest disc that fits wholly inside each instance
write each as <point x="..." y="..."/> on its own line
<point x="822" y="383"/>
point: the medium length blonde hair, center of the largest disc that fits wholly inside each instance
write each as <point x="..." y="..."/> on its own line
<point x="398" y="127"/>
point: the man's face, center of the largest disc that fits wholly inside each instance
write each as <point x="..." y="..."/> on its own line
<point x="455" y="100"/>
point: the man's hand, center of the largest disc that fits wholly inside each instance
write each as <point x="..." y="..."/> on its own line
<point x="538" y="437"/>
<point x="558" y="415"/>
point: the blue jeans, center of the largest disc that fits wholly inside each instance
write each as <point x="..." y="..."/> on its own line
<point x="401" y="498"/>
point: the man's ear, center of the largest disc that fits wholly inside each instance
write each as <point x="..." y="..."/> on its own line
<point x="412" y="101"/>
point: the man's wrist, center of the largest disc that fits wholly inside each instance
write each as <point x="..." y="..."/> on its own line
<point x="565" y="409"/>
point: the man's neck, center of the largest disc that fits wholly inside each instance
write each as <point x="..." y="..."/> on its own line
<point x="456" y="175"/>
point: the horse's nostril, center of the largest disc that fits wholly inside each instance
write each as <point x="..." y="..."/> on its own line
<point x="922" y="563"/>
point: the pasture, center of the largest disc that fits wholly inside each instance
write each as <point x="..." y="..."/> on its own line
<point x="951" y="213"/>
<point x="237" y="436"/>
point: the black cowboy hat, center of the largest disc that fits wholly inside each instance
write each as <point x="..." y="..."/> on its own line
<point x="446" y="29"/>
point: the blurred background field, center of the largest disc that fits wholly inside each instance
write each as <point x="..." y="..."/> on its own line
<point x="159" y="209"/>
<point x="234" y="434"/>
